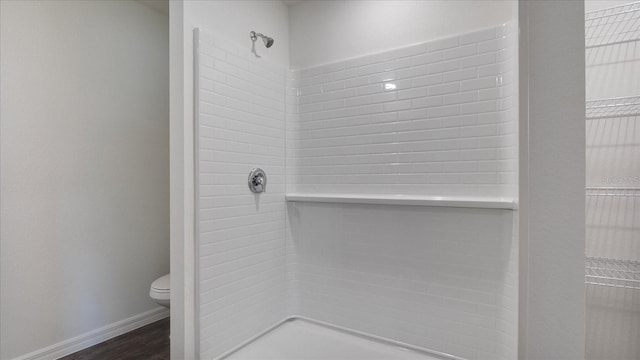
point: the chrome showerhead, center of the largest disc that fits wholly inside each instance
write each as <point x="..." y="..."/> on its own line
<point x="268" y="41"/>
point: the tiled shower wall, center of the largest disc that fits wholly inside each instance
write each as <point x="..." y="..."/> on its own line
<point x="241" y="235"/>
<point x="444" y="279"/>
<point x="440" y="278"/>
<point x="436" y="118"/>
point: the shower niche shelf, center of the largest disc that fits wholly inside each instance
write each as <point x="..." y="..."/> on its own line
<point x="612" y="272"/>
<point x="612" y="26"/>
<point x="429" y="201"/>
<point x="613" y="108"/>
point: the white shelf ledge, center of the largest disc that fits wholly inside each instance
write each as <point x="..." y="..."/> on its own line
<point x="434" y="201"/>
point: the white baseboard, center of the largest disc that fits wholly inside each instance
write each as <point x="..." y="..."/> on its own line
<point x="96" y="336"/>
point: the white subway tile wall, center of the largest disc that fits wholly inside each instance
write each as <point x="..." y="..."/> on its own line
<point x="437" y="118"/>
<point x="433" y="119"/>
<point x="440" y="278"/>
<point x="241" y="236"/>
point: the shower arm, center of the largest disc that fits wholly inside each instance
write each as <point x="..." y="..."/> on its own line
<point x="254" y="37"/>
<point x="268" y="41"/>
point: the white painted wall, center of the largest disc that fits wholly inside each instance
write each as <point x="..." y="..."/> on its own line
<point x="181" y="196"/>
<point x="552" y="189"/>
<point x="328" y="31"/>
<point x="84" y="167"/>
<point x="593" y="5"/>
<point x="232" y="20"/>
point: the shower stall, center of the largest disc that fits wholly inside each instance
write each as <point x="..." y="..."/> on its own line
<point x="386" y="229"/>
<point x="357" y="180"/>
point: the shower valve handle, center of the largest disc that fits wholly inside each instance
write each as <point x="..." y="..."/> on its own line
<point x="257" y="180"/>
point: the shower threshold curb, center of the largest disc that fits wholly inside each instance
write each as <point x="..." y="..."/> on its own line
<point x="378" y="339"/>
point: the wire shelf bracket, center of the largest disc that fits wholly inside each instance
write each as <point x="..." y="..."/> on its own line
<point x="612" y="26"/>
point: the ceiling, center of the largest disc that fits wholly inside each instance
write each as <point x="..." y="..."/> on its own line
<point x="160" y="5"/>
<point x="163" y="5"/>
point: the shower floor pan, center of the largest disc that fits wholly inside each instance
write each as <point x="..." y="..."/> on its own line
<point x="303" y="339"/>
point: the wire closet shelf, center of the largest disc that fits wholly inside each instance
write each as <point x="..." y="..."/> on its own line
<point x="612" y="272"/>
<point x="613" y="108"/>
<point x="613" y="26"/>
<point x="616" y="25"/>
<point x="613" y="191"/>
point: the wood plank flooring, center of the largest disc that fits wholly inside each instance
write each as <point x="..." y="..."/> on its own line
<point x="150" y="342"/>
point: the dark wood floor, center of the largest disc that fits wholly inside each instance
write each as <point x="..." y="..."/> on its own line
<point x="149" y="342"/>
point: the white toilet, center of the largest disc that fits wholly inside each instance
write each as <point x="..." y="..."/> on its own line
<point x="161" y="290"/>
